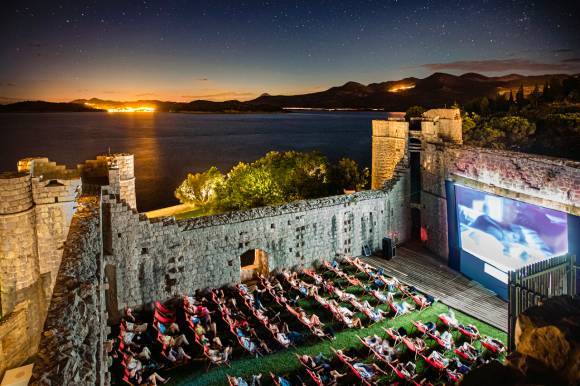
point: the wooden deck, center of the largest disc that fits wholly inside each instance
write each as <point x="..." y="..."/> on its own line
<point x="429" y="275"/>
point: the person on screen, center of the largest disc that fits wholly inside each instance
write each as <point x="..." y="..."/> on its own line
<point x="524" y="231"/>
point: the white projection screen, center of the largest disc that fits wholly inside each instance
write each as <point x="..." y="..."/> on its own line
<point x="507" y="233"/>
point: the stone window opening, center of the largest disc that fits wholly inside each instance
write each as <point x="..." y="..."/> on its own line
<point x="252" y="263"/>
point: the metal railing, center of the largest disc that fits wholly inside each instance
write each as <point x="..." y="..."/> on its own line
<point x="533" y="284"/>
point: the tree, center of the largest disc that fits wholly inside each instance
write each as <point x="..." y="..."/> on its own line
<point x="484" y="106"/>
<point x="469" y="122"/>
<point x="485" y="135"/>
<point x="200" y="189"/>
<point x="535" y="96"/>
<point x="348" y="175"/>
<point x="520" y="97"/>
<point x="547" y="93"/>
<point x="518" y="131"/>
<point x="500" y="103"/>
<point x="414" y="112"/>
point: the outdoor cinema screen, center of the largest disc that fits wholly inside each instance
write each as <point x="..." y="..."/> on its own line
<point x="506" y="233"/>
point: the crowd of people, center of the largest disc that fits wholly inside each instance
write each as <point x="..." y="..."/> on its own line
<point x="282" y="311"/>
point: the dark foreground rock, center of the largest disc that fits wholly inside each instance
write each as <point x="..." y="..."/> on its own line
<point x="547" y="352"/>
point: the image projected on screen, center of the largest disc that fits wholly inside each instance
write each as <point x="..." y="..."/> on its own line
<point x="508" y="233"/>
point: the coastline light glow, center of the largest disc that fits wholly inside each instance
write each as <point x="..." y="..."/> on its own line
<point x="402" y="88"/>
<point x="142" y="109"/>
<point x="123" y="109"/>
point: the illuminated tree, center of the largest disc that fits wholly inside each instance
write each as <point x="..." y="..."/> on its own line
<point x="276" y="178"/>
<point x="199" y="189"/>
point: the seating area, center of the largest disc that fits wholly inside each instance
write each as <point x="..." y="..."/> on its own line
<point x="353" y="313"/>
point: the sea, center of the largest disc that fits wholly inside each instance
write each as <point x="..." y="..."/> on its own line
<point x="168" y="146"/>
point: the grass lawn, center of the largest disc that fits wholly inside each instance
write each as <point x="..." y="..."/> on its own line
<point x="285" y="362"/>
<point x="197" y="212"/>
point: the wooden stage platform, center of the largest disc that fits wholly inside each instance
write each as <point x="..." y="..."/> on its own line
<point x="429" y="275"/>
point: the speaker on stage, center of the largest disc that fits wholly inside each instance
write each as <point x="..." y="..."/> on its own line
<point x="388" y="248"/>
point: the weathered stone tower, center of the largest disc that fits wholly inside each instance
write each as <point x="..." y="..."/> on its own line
<point x="19" y="267"/>
<point x="419" y="144"/>
<point x="117" y="171"/>
<point x="36" y="206"/>
<point x="389" y="147"/>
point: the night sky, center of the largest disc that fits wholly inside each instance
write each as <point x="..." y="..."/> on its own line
<point x="217" y="50"/>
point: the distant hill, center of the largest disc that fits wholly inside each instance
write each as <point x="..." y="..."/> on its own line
<point x="436" y="90"/>
<point x="44" y="107"/>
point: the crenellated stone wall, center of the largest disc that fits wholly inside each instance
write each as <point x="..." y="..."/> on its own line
<point x="37" y="204"/>
<point x="156" y="260"/>
<point x="71" y="350"/>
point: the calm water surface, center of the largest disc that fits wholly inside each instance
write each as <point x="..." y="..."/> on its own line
<point x="168" y="146"/>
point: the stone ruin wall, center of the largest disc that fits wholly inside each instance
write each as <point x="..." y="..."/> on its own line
<point x="37" y="205"/>
<point x="151" y="260"/>
<point x="548" y="182"/>
<point x="71" y="351"/>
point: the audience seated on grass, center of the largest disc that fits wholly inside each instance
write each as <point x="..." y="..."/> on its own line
<point x="215" y="327"/>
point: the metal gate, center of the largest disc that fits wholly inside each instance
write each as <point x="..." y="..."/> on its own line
<point x="531" y="285"/>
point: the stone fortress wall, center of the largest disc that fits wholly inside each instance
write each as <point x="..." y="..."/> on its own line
<point x="37" y="205"/>
<point x="156" y="260"/>
<point x="100" y="255"/>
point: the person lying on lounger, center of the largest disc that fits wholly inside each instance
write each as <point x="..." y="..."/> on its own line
<point x="343" y="295"/>
<point x="344" y="311"/>
<point x="330" y="378"/>
<point x="154" y="379"/>
<point x="219" y="356"/>
<point x="172" y="341"/>
<point x="239" y="381"/>
<point x="135" y="327"/>
<point x="382" y="297"/>
<point x="373" y="341"/>
<point x="403" y="307"/>
<point x="315" y="363"/>
<point x="436" y="356"/>
<point x="449" y="318"/>
<point x="175" y="354"/>
<point x="408" y="369"/>
<point x="462" y="368"/>
<point x="253" y="347"/>
<point x="353" y="322"/>
<point x="446" y="338"/>
<point x="493" y="344"/>
<point x="319" y="332"/>
<point x="283" y="339"/>
<point x="314" y="320"/>
<point x="366" y="371"/>
<point x="470" y="329"/>
<point x="468" y="351"/>
<point x="386" y="350"/>
<point x="376" y="314"/>
<point x="133" y="363"/>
